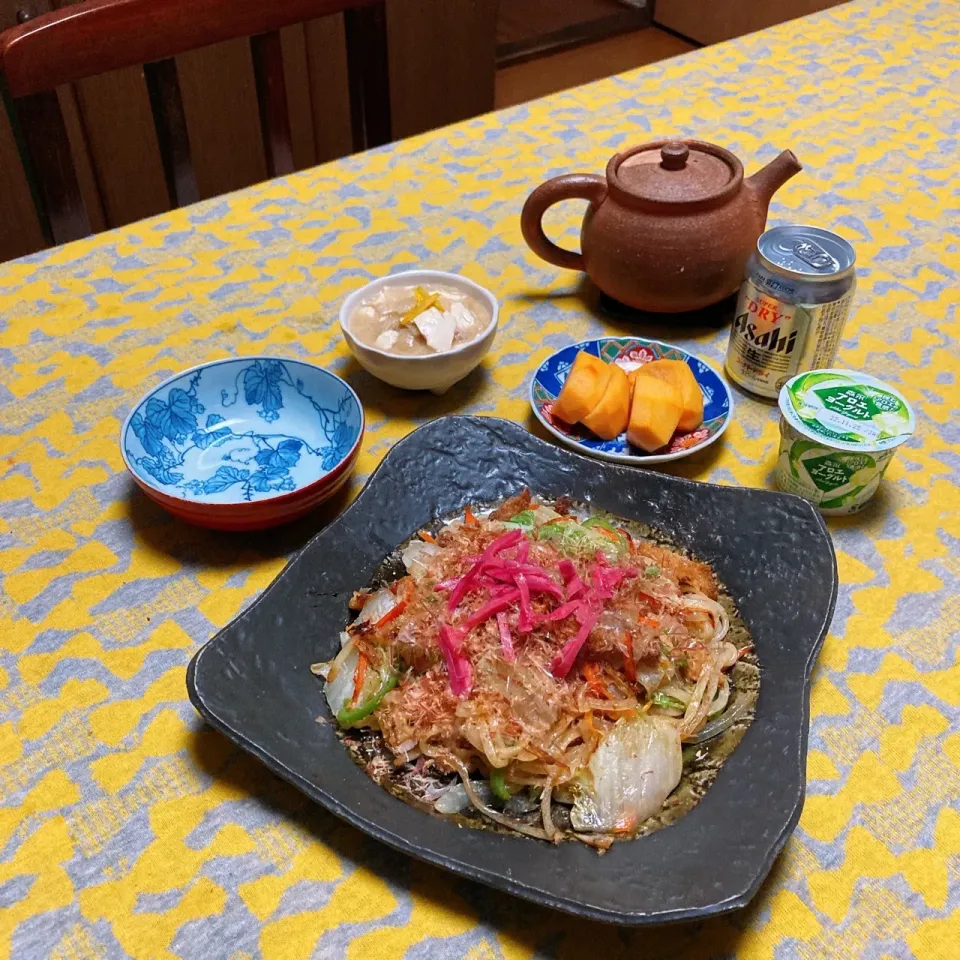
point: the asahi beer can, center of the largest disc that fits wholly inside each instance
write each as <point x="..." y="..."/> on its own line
<point x="792" y="307"/>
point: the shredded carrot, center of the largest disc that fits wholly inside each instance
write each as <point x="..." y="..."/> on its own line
<point x="629" y="667"/>
<point x="649" y="621"/>
<point x="469" y="518"/>
<point x="392" y="614"/>
<point x="358" y="677"/>
<point x="609" y="534"/>
<point x="595" y="681"/>
<point x="429" y="537"/>
<point x="395" y="612"/>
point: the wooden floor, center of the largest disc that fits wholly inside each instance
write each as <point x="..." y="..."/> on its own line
<point x="536" y="78"/>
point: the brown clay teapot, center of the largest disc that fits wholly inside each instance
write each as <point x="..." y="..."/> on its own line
<point x="669" y="229"/>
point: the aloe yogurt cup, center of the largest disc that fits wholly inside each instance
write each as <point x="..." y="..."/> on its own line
<point x="838" y="432"/>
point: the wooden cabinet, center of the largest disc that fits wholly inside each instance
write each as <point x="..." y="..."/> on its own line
<point x="710" y="21"/>
<point x="441" y="69"/>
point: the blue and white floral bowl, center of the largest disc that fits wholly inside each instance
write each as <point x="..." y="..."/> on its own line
<point x="631" y="352"/>
<point x="246" y="443"/>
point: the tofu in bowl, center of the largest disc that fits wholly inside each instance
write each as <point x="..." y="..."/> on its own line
<point x="420" y="330"/>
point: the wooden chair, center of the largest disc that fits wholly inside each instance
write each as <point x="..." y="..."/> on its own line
<point x="97" y="36"/>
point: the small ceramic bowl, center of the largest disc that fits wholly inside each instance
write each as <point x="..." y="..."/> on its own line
<point x="438" y="372"/>
<point x="244" y="444"/>
<point x="631" y="352"/>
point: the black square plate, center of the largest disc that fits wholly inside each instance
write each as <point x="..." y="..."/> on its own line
<point x="252" y="681"/>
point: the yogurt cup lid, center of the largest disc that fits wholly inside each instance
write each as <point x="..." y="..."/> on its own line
<point x="847" y="410"/>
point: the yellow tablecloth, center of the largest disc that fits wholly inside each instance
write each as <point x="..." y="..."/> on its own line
<point x="127" y="829"/>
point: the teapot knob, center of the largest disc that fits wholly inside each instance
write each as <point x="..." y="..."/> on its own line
<point x="674" y="155"/>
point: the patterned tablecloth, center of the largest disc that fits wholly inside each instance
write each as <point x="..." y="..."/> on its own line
<point x="127" y="829"/>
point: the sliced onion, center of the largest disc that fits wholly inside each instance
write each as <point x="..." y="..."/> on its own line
<point x="339" y="686"/>
<point x="326" y="668"/>
<point x="650" y="679"/>
<point x="521" y="803"/>
<point x="490" y="813"/>
<point x="699" y="705"/>
<point x="453" y="800"/>
<point x="566" y="794"/>
<point x="635" y="768"/>
<point x="378" y="606"/>
<point x="338" y="662"/>
<point x="417" y="556"/>
<point x="721" y="699"/>
<point x="544" y="514"/>
<point x="728" y="655"/>
<point x="548" y="828"/>
<point x="722" y="723"/>
<point x="721" y="620"/>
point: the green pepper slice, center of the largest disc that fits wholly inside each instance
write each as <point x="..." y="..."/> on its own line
<point x="601" y="522"/>
<point x="349" y="718"/>
<point x="667" y="702"/>
<point x="524" y="519"/>
<point x="621" y="545"/>
<point x="561" y="530"/>
<point x="498" y="784"/>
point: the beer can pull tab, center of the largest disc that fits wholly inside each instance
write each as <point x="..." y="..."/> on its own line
<point x="813" y="254"/>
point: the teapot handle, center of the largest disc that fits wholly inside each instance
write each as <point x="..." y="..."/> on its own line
<point x="571" y="186"/>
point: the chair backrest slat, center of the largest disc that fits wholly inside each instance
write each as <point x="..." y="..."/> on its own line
<point x="366" y="31"/>
<point x="272" y="98"/>
<point x="170" y="121"/>
<point x="45" y="136"/>
<point x="97" y="36"/>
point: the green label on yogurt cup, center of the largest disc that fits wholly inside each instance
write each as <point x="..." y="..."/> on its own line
<point x="836" y="480"/>
<point x="852" y="411"/>
<point x="830" y="471"/>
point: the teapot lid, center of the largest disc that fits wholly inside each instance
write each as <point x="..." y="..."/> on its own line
<point x="677" y="171"/>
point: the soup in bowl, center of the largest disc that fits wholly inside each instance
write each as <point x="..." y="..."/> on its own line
<point x="420" y="330"/>
<point x="413" y="320"/>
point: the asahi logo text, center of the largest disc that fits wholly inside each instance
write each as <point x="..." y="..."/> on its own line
<point x="766" y="316"/>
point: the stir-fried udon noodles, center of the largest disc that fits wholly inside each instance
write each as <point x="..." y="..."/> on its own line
<point x="541" y="666"/>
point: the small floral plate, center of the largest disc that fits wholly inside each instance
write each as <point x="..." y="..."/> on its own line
<point x="244" y="443"/>
<point x="630" y="352"/>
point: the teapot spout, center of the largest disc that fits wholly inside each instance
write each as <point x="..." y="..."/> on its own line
<point x="768" y="180"/>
